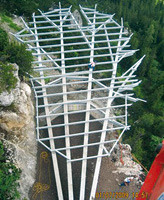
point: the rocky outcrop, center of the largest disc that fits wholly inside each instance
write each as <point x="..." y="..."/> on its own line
<point x="78" y="18"/>
<point x="124" y="162"/>
<point x="6" y="98"/>
<point x="17" y="130"/>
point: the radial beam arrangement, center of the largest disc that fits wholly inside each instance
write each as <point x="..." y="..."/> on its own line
<point x="75" y="74"/>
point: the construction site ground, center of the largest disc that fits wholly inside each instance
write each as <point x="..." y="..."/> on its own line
<point x="44" y="187"/>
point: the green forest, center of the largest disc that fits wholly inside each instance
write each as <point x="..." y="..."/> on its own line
<point x="145" y="19"/>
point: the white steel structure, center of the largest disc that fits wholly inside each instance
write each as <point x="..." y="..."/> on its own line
<point x="64" y="86"/>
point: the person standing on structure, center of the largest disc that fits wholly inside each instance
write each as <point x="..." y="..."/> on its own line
<point x="92" y="65"/>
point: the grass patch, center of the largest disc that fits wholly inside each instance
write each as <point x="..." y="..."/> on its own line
<point x="11" y="108"/>
<point x="47" y="80"/>
<point x="9" y="21"/>
<point x="7" y="79"/>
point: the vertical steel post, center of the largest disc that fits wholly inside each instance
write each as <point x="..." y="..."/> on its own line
<point x="48" y="119"/>
<point x="89" y="93"/>
<point x="66" y="121"/>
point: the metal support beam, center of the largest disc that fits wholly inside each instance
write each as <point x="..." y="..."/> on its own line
<point x="50" y="132"/>
<point x="66" y="121"/>
<point x="87" y="117"/>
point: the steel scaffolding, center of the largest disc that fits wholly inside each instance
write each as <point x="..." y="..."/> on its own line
<point x="64" y="85"/>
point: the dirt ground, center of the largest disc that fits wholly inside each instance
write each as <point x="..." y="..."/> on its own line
<point x="44" y="187"/>
<point x="108" y="187"/>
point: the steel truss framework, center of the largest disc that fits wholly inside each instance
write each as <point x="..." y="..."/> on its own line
<point x="63" y="49"/>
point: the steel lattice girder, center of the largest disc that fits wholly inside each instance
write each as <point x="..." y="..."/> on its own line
<point x="63" y="49"/>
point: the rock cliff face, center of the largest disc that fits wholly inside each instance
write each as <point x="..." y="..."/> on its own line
<point x="125" y="164"/>
<point x="17" y="130"/>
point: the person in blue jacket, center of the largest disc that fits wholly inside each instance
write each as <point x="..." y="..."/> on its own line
<point x="91" y="65"/>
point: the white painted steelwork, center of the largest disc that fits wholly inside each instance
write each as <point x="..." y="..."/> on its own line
<point x="63" y="51"/>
